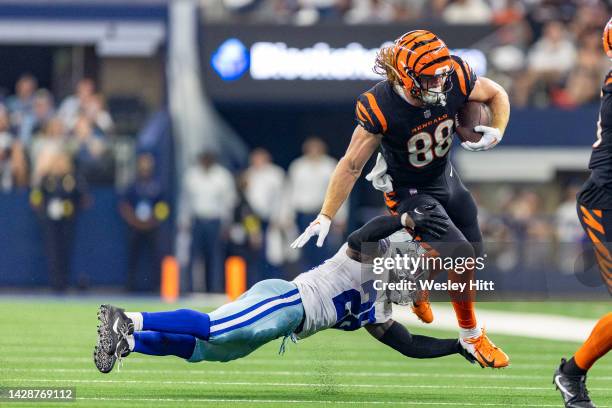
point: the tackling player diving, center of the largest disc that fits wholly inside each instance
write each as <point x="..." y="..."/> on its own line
<point x="337" y="294"/>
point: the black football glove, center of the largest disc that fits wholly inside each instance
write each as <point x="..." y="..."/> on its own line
<point x="428" y="221"/>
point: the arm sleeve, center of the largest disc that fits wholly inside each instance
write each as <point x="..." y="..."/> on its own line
<point x="399" y="338"/>
<point x="375" y="230"/>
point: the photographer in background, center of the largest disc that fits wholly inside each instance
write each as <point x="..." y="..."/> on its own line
<point x="57" y="198"/>
<point x="144" y="209"/>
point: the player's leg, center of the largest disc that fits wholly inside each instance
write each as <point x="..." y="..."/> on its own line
<point x="454" y="244"/>
<point x="270" y="309"/>
<point x="570" y="376"/>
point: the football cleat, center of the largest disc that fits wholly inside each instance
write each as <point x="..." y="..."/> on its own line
<point x="114" y="328"/>
<point x="422" y="310"/>
<point x="104" y="363"/>
<point x="572" y="388"/>
<point x="485" y="352"/>
<point x="466" y="354"/>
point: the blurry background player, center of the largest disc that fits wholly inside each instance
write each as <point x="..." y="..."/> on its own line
<point x="143" y="207"/>
<point x="210" y="197"/>
<point x="411" y="116"/>
<point x="595" y="214"/>
<point x="335" y="294"/>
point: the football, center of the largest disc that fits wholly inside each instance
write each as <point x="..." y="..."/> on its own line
<point x="470" y="115"/>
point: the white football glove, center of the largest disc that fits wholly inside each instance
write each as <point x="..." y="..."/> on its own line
<point x="490" y="138"/>
<point x="320" y="226"/>
<point x="379" y="177"/>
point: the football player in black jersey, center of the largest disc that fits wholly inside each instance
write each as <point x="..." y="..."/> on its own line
<point x="410" y="115"/>
<point x="595" y="214"/>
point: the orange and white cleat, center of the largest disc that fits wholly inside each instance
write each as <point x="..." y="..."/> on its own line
<point x="422" y="309"/>
<point x="486" y="353"/>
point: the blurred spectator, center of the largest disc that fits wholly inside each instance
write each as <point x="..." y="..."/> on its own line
<point x="308" y="179"/>
<point x="57" y="199"/>
<point x="46" y="146"/>
<point x="13" y="166"/>
<point x="209" y="198"/>
<point x="72" y="106"/>
<point x="583" y="83"/>
<point x="264" y="185"/>
<point x="36" y="121"/>
<point x="467" y="12"/>
<point x="264" y="190"/>
<point x="20" y="104"/>
<point x="568" y="230"/>
<point x="245" y="235"/>
<point x="371" y="11"/>
<point x="144" y="208"/>
<point x="551" y="57"/>
<point x="508" y="12"/>
<point x="95" y="111"/>
<point x="89" y="144"/>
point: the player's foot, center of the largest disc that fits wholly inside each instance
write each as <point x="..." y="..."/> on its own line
<point x="485" y="352"/>
<point x="572" y="388"/>
<point x="422" y="310"/>
<point x="466" y="354"/>
<point x="114" y="328"/>
<point x="104" y="363"/>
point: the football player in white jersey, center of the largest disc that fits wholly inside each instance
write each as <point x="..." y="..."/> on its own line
<point x="337" y="294"/>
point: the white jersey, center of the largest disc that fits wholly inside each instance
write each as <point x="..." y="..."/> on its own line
<point x="334" y="294"/>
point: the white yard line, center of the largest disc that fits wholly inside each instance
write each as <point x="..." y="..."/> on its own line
<point x="317" y="402"/>
<point x="490" y="375"/>
<point x="541" y="326"/>
<point x="275" y="362"/>
<point x="289" y="384"/>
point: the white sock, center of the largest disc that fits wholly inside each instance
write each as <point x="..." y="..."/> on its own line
<point x="136" y="318"/>
<point x="467" y="333"/>
<point x="131" y="342"/>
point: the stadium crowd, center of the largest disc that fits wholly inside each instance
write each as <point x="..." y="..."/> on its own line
<point x="545" y="52"/>
<point x="57" y="150"/>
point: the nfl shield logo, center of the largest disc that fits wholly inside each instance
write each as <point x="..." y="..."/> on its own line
<point x="427" y="114"/>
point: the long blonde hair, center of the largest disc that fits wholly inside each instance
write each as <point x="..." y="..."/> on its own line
<point x="384" y="65"/>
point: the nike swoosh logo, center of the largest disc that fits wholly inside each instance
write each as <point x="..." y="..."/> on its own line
<point x="561" y="387"/>
<point x="487" y="362"/>
<point x="416" y="211"/>
<point x="115" y="325"/>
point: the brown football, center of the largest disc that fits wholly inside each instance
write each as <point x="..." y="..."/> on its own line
<point x="469" y="116"/>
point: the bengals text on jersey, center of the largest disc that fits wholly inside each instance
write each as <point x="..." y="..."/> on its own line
<point x="415" y="140"/>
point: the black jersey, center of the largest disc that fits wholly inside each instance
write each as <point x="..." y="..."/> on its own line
<point x="597" y="191"/>
<point x="415" y="140"/>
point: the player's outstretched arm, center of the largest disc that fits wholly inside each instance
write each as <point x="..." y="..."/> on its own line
<point x="396" y="336"/>
<point x="423" y="219"/>
<point x="496" y="98"/>
<point x="362" y="146"/>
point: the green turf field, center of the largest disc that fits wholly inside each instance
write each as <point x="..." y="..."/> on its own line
<point x="49" y="344"/>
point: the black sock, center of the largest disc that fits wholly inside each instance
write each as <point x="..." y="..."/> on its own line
<point x="571" y="368"/>
<point x="416" y="346"/>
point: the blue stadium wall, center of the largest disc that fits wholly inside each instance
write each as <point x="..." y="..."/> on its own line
<point x="100" y="252"/>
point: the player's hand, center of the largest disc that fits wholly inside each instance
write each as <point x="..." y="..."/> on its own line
<point x="490" y="138"/>
<point x="425" y="220"/>
<point x="320" y="226"/>
<point x="379" y="177"/>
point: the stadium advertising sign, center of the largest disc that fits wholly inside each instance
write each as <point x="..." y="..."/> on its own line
<point x="327" y="63"/>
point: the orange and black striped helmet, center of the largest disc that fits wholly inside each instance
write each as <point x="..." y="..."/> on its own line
<point x="607" y="38"/>
<point x="423" y="63"/>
